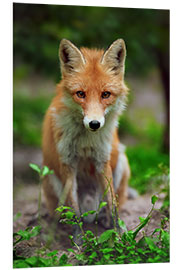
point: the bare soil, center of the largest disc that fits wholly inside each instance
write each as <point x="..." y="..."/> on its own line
<point x="55" y="235"/>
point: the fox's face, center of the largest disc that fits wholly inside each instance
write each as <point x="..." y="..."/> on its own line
<point x="93" y="80"/>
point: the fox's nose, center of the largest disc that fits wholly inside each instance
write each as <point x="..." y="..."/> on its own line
<point x="94" y="124"/>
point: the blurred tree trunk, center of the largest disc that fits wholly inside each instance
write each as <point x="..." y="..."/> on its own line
<point x="163" y="62"/>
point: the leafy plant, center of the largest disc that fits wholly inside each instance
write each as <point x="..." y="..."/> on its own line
<point x="28" y="233"/>
<point x="42" y="172"/>
<point x="49" y="258"/>
<point x="159" y="181"/>
<point x="112" y="247"/>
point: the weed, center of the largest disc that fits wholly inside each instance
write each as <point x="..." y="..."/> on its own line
<point x="42" y="173"/>
<point x="110" y="247"/>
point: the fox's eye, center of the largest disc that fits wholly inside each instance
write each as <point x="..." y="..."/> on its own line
<point x="105" y="94"/>
<point x="80" y="94"/>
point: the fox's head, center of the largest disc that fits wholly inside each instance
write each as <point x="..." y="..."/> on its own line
<point x="93" y="81"/>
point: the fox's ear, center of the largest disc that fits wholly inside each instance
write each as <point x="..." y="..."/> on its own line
<point x="70" y="56"/>
<point x="114" y="57"/>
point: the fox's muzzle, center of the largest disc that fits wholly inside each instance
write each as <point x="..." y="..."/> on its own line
<point x="93" y="124"/>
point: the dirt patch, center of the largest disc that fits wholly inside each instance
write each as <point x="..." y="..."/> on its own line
<point x="53" y="234"/>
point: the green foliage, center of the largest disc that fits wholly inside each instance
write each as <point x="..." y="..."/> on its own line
<point x="27" y="234"/>
<point x="37" y="261"/>
<point x="143" y="161"/>
<point x="41" y="171"/>
<point x="39" y="28"/>
<point x="17" y="216"/>
<point x="35" y="167"/>
<point x="27" y="118"/>
<point x="112" y="247"/>
<point x="50" y="258"/>
<point x="154" y="199"/>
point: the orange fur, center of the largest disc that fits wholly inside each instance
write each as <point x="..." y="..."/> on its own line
<point x="89" y="71"/>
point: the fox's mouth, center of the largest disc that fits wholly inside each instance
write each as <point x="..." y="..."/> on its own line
<point x="93" y="130"/>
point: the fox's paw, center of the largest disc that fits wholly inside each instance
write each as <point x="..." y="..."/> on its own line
<point x="132" y="193"/>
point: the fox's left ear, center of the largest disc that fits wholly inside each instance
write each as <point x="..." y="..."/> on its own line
<point x="114" y="57"/>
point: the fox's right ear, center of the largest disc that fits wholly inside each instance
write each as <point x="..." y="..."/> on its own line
<point x="70" y="56"/>
<point x="114" y="57"/>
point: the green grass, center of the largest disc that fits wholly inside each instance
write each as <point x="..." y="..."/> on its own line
<point x="146" y="155"/>
<point x="144" y="160"/>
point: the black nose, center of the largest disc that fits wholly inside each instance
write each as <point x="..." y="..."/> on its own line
<point x="94" y="124"/>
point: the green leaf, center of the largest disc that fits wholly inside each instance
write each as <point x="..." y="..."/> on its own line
<point x="17" y="216"/>
<point x="102" y="204"/>
<point x="24" y="234"/>
<point x="62" y="208"/>
<point x="142" y="225"/>
<point x="107" y="256"/>
<point x="51" y="254"/>
<point x="20" y="264"/>
<point x="46" y="171"/>
<point x="105" y="236"/>
<point x="44" y="262"/>
<point x="107" y="250"/>
<point x="35" y="167"/>
<point x="91" y="212"/>
<point x="93" y="255"/>
<point x="156" y="230"/>
<point x="79" y="257"/>
<point x="63" y="260"/>
<point x="142" y="219"/>
<point x="89" y="234"/>
<point x="150" y="243"/>
<point x="32" y="261"/>
<point x="69" y="215"/>
<point x="122" y="224"/>
<point x="71" y="250"/>
<point x="35" y="231"/>
<point x="154" y="199"/>
<point x="28" y="233"/>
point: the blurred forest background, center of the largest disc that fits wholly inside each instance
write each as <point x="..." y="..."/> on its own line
<point x="144" y="127"/>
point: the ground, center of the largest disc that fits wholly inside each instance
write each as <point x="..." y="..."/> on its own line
<point x="54" y="235"/>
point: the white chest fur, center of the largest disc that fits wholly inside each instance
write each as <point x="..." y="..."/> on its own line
<point x="78" y="143"/>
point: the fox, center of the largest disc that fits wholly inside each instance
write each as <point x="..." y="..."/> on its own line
<point x="80" y="141"/>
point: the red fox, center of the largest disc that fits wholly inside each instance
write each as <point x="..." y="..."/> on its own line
<point x="80" y="139"/>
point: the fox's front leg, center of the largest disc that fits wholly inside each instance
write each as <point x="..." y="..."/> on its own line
<point x="108" y="188"/>
<point x="69" y="195"/>
<point x="69" y="192"/>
